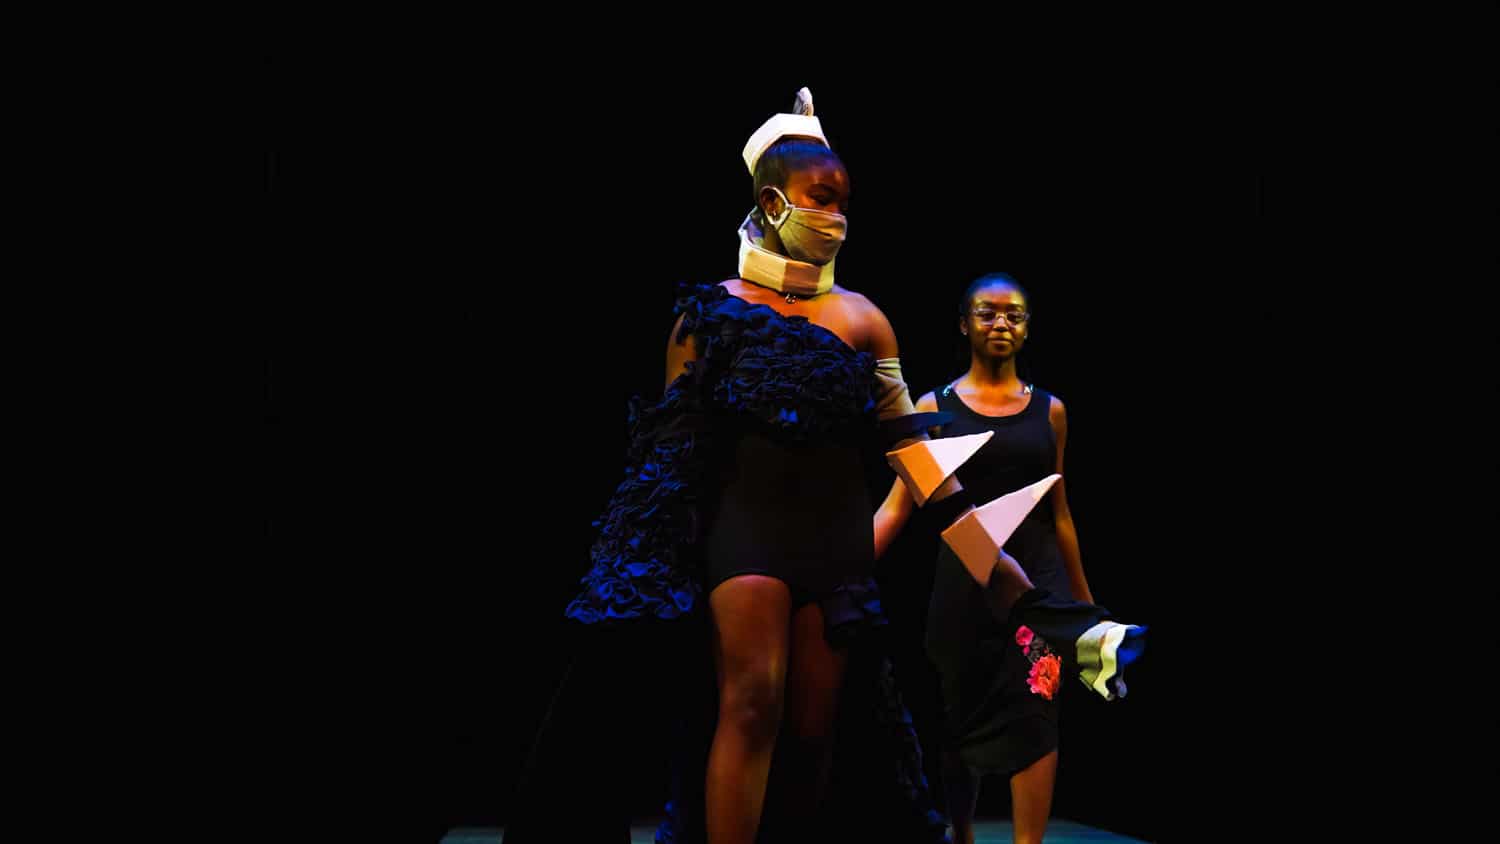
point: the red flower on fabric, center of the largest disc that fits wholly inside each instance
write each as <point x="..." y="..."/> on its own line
<point x="1023" y="636"/>
<point x="1044" y="677"/>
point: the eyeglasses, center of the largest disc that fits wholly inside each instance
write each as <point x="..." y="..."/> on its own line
<point x="988" y="317"/>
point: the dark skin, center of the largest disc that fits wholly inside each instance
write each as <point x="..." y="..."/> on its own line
<point x="778" y="676"/>
<point x="849" y="315"/>
<point x="992" y="388"/>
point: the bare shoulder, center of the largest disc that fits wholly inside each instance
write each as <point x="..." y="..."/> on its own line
<point x="927" y="403"/>
<point x="854" y="300"/>
<point x="1057" y="414"/>
<point x="878" y="335"/>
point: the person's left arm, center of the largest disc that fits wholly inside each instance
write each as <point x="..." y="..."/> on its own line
<point x="1067" y="532"/>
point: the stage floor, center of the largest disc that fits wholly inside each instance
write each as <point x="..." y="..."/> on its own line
<point x="987" y="832"/>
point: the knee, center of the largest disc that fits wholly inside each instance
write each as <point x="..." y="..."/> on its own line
<point x="752" y="707"/>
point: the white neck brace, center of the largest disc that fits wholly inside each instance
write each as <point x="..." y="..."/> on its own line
<point x="778" y="272"/>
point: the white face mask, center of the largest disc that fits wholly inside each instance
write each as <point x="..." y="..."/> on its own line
<point x="808" y="234"/>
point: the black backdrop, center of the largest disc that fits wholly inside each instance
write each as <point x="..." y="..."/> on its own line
<point x="483" y="261"/>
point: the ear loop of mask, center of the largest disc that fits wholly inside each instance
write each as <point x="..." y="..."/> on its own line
<point x="786" y="210"/>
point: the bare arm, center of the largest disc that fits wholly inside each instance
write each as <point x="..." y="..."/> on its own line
<point x="1067" y="534"/>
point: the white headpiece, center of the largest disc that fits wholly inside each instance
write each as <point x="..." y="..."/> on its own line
<point x="801" y="123"/>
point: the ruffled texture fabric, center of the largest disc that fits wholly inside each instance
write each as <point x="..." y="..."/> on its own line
<point x="786" y="377"/>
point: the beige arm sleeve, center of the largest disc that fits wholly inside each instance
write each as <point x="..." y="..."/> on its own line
<point x="894" y="399"/>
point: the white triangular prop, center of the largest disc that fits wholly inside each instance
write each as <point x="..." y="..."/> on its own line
<point x="925" y="465"/>
<point x="977" y="538"/>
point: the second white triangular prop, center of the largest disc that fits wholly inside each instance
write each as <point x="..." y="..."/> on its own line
<point x="976" y="539"/>
<point x="924" y="465"/>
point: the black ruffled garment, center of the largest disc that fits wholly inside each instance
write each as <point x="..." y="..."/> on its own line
<point x="757" y="373"/>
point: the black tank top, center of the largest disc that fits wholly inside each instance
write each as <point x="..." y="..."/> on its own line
<point x="1022" y="451"/>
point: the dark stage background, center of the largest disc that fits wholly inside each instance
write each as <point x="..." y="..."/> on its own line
<point x="484" y="275"/>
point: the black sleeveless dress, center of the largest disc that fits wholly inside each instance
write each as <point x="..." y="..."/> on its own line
<point x="999" y="684"/>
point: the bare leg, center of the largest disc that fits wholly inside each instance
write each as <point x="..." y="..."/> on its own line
<point x="751" y="620"/>
<point x="1031" y="799"/>
<point x="812" y="691"/>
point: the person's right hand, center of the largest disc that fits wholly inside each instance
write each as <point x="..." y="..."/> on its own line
<point x="982" y="569"/>
<point x="1007" y="560"/>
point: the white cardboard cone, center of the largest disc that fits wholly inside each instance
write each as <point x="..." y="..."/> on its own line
<point x="977" y="538"/>
<point x="925" y="465"/>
